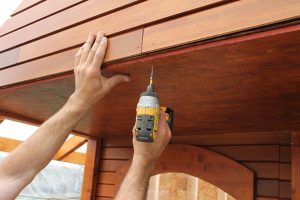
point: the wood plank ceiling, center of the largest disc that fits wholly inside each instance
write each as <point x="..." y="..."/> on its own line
<point x="249" y="85"/>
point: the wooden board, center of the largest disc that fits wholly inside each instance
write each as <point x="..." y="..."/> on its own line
<point x="225" y="19"/>
<point x="295" y="186"/>
<point x="38" y="12"/>
<point x="109" y="22"/>
<point x="121" y="46"/>
<point x="236" y="179"/>
<point x="117" y="150"/>
<point x="90" y="176"/>
<point x="25" y="5"/>
<point x="234" y="85"/>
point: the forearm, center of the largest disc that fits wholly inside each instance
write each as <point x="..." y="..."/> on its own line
<point x="135" y="184"/>
<point x="37" y="151"/>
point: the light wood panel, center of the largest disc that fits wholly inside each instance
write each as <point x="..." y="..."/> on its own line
<point x="26" y="4"/>
<point x="70" y="146"/>
<point x="76" y="158"/>
<point x="225" y="19"/>
<point x="126" y="19"/>
<point x="36" y="13"/>
<point x="8" y="145"/>
<point x="88" y="189"/>
<point x="9" y="57"/>
<point x="121" y="46"/>
<point x="62" y="20"/>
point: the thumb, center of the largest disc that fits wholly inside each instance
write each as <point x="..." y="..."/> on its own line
<point x="115" y="80"/>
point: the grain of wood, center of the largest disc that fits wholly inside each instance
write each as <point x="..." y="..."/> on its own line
<point x="295" y="186"/>
<point x="222" y="20"/>
<point x="70" y="146"/>
<point x="90" y="175"/>
<point x="9" y="57"/>
<point x="195" y="161"/>
<point x="26" y="4"/>
<point x="120" y="46"/>
<point x="111" y="24"/>
<point x="36" y="13"/>
<point x="55" y="23"/>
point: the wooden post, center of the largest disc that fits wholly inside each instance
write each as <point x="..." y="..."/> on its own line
<point x="89" y="184"/>
<point x="295" y="165"/>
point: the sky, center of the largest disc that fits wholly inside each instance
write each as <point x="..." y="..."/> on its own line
<point x="6" y="8"/>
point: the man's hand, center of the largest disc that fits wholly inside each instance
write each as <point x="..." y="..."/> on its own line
<point x="150" y="152"/>
<point x="90" y="85"/>
<point x="135" y="184"/>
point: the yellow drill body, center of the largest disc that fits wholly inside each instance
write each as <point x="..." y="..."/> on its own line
<point x="147" y="114"/>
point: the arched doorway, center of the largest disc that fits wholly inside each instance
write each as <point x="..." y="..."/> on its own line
<point x="180" y="186"/>
<point x="228" y="175"/>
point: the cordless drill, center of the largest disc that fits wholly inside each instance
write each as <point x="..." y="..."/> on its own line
<point x="147" y="114"/>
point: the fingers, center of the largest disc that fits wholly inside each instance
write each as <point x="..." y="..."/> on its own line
<point x="94" y="48"/>
<point x="77" y="57"/>
<point x="100" y="53"/>
<point x="115" y="80"/>
<point x="86" y="48"/>
<point x="164" y="132"/>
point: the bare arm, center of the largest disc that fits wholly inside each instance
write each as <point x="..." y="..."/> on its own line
<point x="135" y="183"/>
<point x="19" y="168"/>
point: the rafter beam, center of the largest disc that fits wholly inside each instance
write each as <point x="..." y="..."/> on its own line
<point x="1" y="119"/>
<point x="70" y="146"/>
<point x="8" y="145"/>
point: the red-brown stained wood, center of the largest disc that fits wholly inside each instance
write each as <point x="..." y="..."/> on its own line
<point x="285" y="189"/>
<point x="105" y="190"/>
<point x="104" y="198"/>
<point x="116" y="22"/>
<point x="26" y="4"/>
<point x="255" y="138"/>
<point x="111" y="165"/>
<point x="207" y="165"/>
<point x="266" y="187"/>
<point x="285" y="154"/>
<point x="264" y="169"/>
<point x="232" y="98"/>
<point x="295" y="186"/>
<point x="36" y="13"/>
<point x="54" y="23"/>
<point x="107" y="177"/>
<point x="285" y="171"/>
<point x="121" y="46"/>
<point x="225" y="19"/>
<point x="249" y="153"/>
<point x="90" y="176"/>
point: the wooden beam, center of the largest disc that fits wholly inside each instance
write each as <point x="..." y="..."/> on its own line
<point x="70" y="146"/>
<point x="90" y="176"/>
<point x="1" y="119"/>
<point x="8" y="145"/>
<point x="295" y="165"/>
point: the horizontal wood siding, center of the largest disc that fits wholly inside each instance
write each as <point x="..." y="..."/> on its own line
<point x="268" y="158"/>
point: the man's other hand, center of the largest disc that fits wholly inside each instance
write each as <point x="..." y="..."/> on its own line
<point x="148" y="153"/>
<point x="90" y="85"/>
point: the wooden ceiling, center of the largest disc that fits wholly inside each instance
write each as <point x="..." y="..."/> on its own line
<point x="232" y="85"/>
